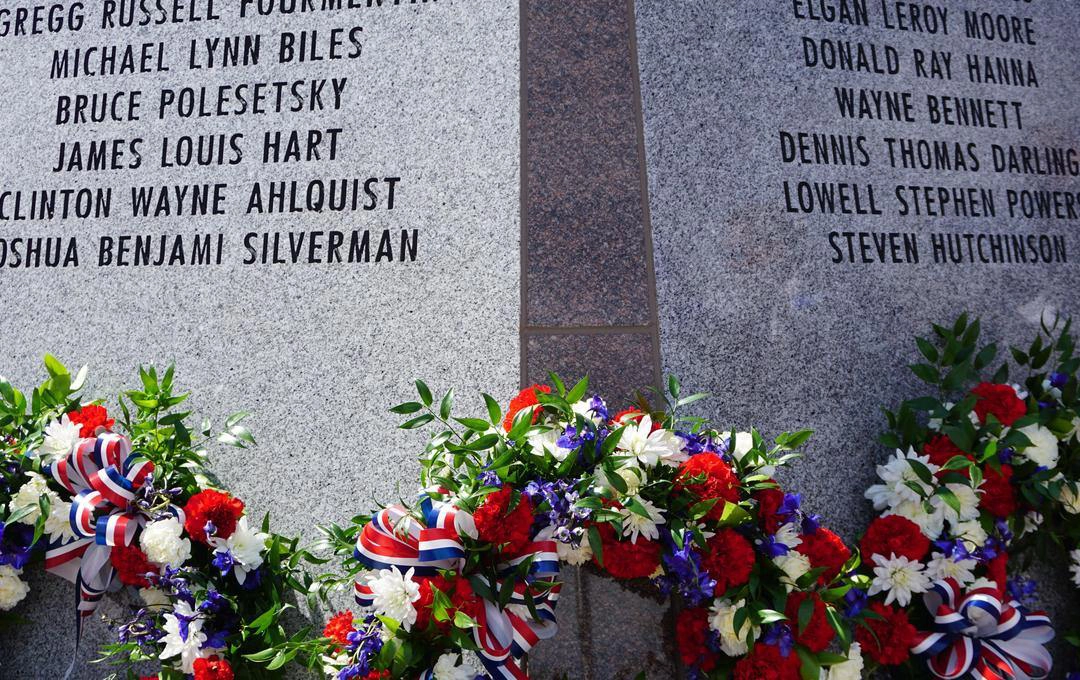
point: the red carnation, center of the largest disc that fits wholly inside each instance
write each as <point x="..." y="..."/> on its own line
<point x="941" y="450"/>
<point x="1000" y="401"/>
<point x="818" y="633"/>
<point x="625" y="560"/>
<point x="377" y="675"/>
<point x="215" y="507"/>
<point x="769" y="502"/>
<point x="692" y="632"/>
<point x="526" y="398"/>
<point x="90" y="419"/>
<point x="765" y="662"/>
<point x="496" y="523"/>
<point x="707" y="477"/>
<point x="998" y="497"/>
<point x="461" y="596"/>
<point x="890" y="638"/>
<point x="212" y="668"/>
<point x="729" y="558"/>
<point x="894" y="535"/>
<point x="339" y="627"/>
<point x="825" y="550"/>
<point x="131" y="565"/>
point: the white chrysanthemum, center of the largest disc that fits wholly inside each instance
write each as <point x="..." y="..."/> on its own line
<point x="246" y="547"/>
<point x="154" y="598"/>
<point x="789" y="535"/>
<point x="447" y="668"/>
<point x="1074" y="556"/>
<point x="969" y="503"/>
<point x="722" y="620"/>
<point x="12" y="588"/>
<point x="394" y="594"/>
<point x="1075" y="428"/>
<point x="936" y="423"/>
<point x="941" y="567"/>
<point x="897" y="478"/>
<point x="794" y="565"/>
<point x="652" y="448"/>
<point x="60" y="437"/>
<point x="1044" y="446"/>
<point x="635" y="525"/>
<point x="742" y="445"/>
<point x="575" y="557"/>
<point x="1069" y="498"/>
<point x="189" y="647"/>
<point x="971" y="532"/>
<point x="847" y="670"/>
<point x="548" y="441"/>
<point x="899" y="578"/>
<point x="58" y="523"/>
<point x="163" y="543"/>
<point x="931" y="523"/>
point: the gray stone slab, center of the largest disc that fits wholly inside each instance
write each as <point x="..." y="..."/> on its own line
<point x="317" y="352"/>
<point x="752" y="306"/>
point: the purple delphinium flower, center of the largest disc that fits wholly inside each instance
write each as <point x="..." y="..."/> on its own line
<point x="141" y="630"/>
<point x="559" y="498"/>
<point x="173" y="582"/>
<point x="779" y="635"/>
<point x="364" y="645"/>
<point x="1059" y="380"/>
<point x="489" y="478"/>
<point x="683" y="572"/>
<point x="224" y="561"/>
<point x="598" y="408"/>
<point x="770" y="547"/>
<point x="1022" y="589"/>
<point x="855" y="602"/>
<point x="1006" y="455"/>
<point x="16" y="544"/>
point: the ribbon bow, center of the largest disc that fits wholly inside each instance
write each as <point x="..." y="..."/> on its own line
<point x="981" y="634"/>
<point x="394" y="539"/>
<point x="104" y="477"/>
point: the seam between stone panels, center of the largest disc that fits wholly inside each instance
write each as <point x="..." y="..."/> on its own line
<point x="587" y="330"/>
<point x="643" y="178"/>
<point x="650" y="268"/>
<point x="523" y="200"/>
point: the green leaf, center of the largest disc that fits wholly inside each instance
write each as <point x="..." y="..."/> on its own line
<point x="54" y="367"/>
<point x="424" y="392"/>
<point x="419" y="421"/>
<point x="928" y="350"/>
<point x="949" y="497"/>
<point x="446" y="405"/>
<point x="926" y="373"/>
<point x="806" y="612"/>
<point x="809" y="668"/>
<point x="494" y="411"/>
<point x="578" y="391"/>
<point x="408" y="408"/>
<point x="673" y="386"/>
<point x="596" y="544"/>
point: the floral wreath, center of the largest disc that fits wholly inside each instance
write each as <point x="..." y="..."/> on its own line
<point x="462" y="582"/>
<point x="109" y="505"/>
<point x="984" y="478"/>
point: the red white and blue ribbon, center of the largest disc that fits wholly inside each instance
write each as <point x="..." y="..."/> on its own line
<point x="103" y="477"/>
<point x="394" y="539"/>
<point x="980" y="635"/>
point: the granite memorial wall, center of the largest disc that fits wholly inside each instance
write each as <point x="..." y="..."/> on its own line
<point x="305" y="205"/>
<point x="829" y="177"/>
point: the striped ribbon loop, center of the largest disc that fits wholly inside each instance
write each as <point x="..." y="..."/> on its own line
<point x="103" y="477"/>
<point x="978" y="634"/>
<point x="394" y="539"/>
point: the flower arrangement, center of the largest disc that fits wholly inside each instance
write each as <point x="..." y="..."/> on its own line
<point x="464" y="582"/>
<point x="984" y="478"/>
<point x="110" y="503"/>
